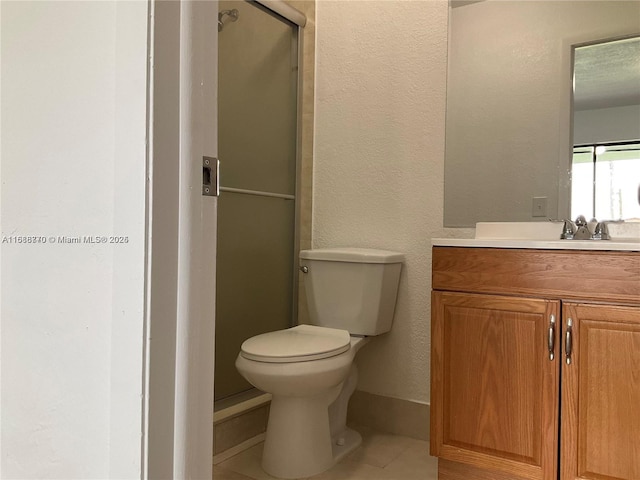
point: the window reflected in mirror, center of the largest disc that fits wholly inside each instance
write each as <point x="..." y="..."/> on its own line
<point x="605" y="181"/>
<point x="605" y="172"/>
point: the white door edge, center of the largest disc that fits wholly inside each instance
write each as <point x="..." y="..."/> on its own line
<point x="178" y="426"/>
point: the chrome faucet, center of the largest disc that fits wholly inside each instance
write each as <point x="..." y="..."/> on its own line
<point x="583" y="230"/>
<point x="601" y="232"/>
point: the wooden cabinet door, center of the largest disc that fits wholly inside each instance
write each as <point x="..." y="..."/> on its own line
<point x="600" y="426"/>
<point x="494" y="397"/>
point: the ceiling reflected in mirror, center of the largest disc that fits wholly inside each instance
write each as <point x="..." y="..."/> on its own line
<point x="607" y="75"/>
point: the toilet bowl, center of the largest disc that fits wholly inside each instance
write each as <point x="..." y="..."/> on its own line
<point x="307" y="431"/>
<point x="309" y="369"/>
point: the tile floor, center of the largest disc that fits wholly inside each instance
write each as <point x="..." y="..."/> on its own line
<point x="380" y="457"/>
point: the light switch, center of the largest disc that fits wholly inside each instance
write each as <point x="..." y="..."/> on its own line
<point x="539" y="207"/>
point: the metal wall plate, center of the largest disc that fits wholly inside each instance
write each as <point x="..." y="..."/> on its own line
<point x="210" y="176"/>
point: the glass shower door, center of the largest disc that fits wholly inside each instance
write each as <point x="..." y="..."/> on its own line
<point x="257" y="118"/>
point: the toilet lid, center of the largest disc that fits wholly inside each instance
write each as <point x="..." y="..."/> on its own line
<point x="297" y="344"/>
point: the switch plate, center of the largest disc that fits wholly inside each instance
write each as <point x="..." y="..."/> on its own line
<point x="539" y="207"/>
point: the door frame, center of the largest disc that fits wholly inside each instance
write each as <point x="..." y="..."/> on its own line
<point x="180" y="293"/>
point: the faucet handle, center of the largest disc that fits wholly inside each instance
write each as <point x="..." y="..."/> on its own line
<point x="568" y="230"/>
<point x="601" y="232"/>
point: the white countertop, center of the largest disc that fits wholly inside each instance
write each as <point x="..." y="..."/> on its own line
<point x="631" y="245"/>
<point x="543" y="235"/>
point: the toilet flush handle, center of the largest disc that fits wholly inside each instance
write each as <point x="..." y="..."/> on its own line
<point x="304" y="269"/>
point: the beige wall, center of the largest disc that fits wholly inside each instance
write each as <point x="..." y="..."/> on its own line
<point x="378" y="166"/>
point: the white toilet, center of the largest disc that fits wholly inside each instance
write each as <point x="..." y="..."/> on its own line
<point x="309" y="370"/>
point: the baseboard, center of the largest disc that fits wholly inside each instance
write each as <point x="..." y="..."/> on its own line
<point x="241" y="447"/>
<point x="236" y="430"/>
<point x="239" y="405"/>
<point x="243" y="430"/>
<point x="391" y="415"/>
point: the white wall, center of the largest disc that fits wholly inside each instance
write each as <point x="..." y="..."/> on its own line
<point x="616" y="124"/>
<point x="378" y="166"/>
<point x="72" y="164"/>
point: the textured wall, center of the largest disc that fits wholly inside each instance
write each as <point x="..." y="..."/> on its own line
<point x="378" y="166"/>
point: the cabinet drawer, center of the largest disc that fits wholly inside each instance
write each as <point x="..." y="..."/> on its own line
<point x="567" y="274"/>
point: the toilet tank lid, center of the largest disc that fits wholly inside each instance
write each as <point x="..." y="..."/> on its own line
<point x="354" y="255"/>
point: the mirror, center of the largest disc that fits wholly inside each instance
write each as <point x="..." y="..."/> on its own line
<point x="509" y="116"/>
<point x="605" y="171"/>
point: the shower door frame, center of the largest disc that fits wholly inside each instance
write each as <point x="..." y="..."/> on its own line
<point x="299" y="19"/>
<point x="280" y="8"/>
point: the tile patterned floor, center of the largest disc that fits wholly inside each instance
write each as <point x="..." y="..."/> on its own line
<point x="380" y="457"/>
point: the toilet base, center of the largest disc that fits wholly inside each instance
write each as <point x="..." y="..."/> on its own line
<point x="298" y="443"/>
<point x="345" y="443"/>
<point x="306" y="432"/>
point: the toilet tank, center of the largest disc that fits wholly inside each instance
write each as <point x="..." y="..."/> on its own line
<point x="354" y="289"/>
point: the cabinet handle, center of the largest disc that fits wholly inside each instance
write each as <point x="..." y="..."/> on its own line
<point x="568" y="341"/>
<point x="551" y="337"/>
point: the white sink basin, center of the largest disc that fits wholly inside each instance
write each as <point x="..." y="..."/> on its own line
<point x="519" y="230"/>
<point x="544" y="235"/>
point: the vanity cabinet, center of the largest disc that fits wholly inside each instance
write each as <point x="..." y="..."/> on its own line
<point x="535" y="365"/>
<point x="600" y="413"/>
<point x="494" y="399"/>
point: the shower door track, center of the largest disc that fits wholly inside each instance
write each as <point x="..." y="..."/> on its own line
<point x="257" y="193"/>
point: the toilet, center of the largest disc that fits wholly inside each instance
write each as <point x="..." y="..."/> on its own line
<point x="309" y="370"/>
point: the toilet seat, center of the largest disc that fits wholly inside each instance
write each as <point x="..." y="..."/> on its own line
<point x="302" y="343"/>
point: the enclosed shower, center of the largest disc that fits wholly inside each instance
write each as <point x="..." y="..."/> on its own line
<point x="257" y="118"/>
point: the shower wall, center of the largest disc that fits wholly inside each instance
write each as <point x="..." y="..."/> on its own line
<point x="257" y="118"/>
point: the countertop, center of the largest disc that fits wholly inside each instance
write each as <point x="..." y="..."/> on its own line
<point x="631" y="245"/>
<point x="543" y="235"/>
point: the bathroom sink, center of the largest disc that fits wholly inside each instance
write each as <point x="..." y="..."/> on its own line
<point x="544" y="235"/>
<point x="519" y="230"/>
